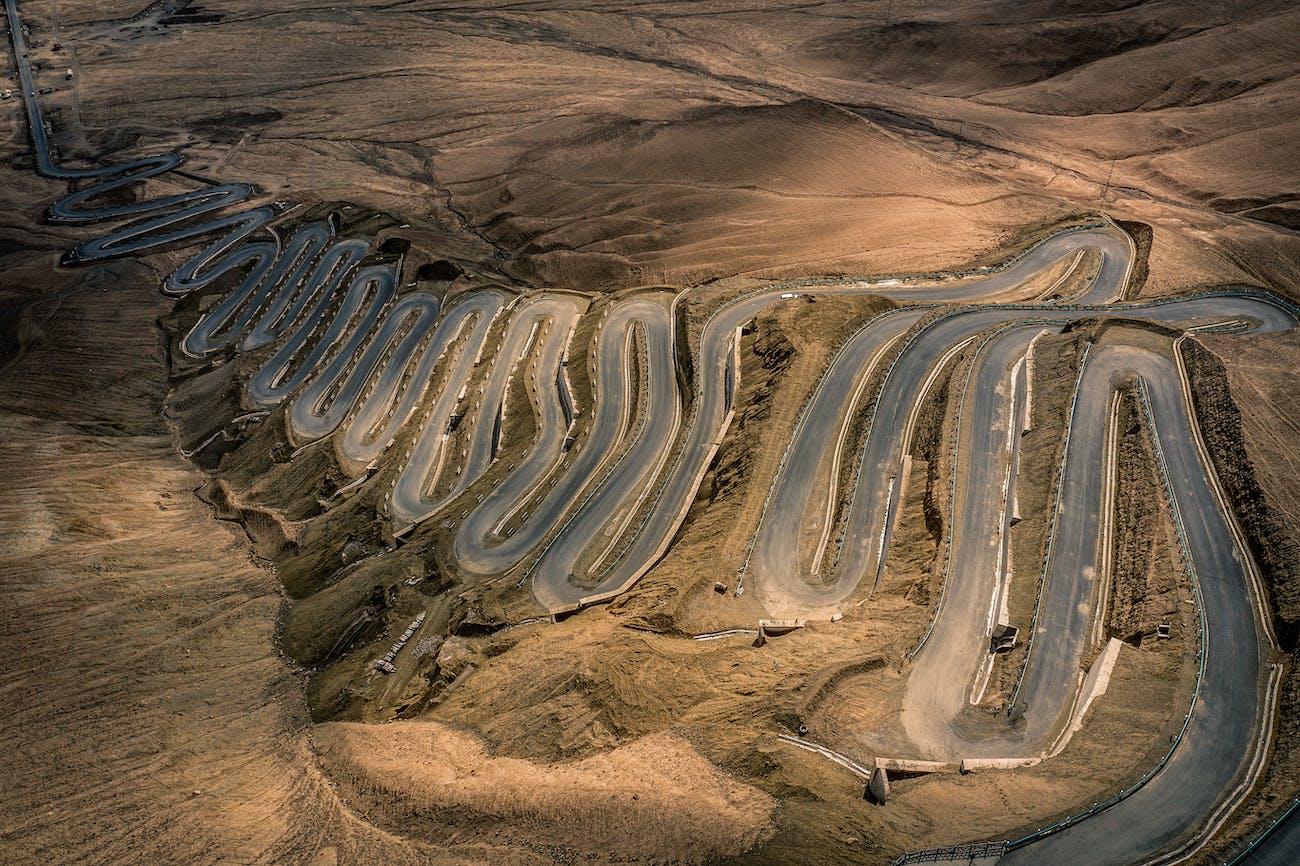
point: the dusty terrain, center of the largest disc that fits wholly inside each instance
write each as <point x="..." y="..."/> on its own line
<point x="184" y="689"/>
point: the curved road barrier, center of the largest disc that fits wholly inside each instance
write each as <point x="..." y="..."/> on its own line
<point x="1278" y="845"/>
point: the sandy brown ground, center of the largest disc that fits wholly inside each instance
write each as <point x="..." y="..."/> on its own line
<point x="152" y="718"/>
<point x="1265" y="426"/>
<point x="617" y="145"/>
<point x="637" y="143"/>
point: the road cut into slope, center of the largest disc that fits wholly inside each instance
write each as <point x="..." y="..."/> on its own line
<point x="348" y="355"/>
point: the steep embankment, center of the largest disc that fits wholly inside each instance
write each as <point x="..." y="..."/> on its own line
<point x="1247" y="419"/>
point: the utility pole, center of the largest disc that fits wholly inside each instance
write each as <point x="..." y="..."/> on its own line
<point x="1106" y="191"/>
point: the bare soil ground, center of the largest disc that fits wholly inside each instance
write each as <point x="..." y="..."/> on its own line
<point x="151" y="716"/>
<point x="654" y="800"/>
<point x="1248" y="422"/>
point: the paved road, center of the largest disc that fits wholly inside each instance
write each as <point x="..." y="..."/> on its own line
<point x="395" y="394"/>
<point x="669" y="503"/>
<point x="272" y="266"/>
<point x="935" y="713"/>
<point x="538" y="337"/>
<point x="1280" y="846"/>
<point x="611" y="437"/>
<point x="935" y="709"/>
<point x="952" y="661"/>
<point x="1220" y="738"/>
<point x="784" y="580"/>
<point x="347" y="354"/>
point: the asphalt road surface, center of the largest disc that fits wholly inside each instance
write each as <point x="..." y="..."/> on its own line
<point x="1221" y="736"/>
<point x="1279" y="847"/>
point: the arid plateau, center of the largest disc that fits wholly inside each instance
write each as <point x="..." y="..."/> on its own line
<point x="650" y="433"/>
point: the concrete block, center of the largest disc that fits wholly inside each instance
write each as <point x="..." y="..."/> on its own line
<point x="878" y="787"/>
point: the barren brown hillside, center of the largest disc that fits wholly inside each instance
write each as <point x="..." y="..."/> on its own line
<point x="181" y="689"/>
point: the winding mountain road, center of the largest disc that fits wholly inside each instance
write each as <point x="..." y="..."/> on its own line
<point x="583" y="510"/>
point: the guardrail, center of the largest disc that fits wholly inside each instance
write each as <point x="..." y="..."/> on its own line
<point x="1119" y="797"/>
<point x="1051" y="535"/>
<point x="802" y="416"/>
<point x="934" y="275"/>
<point x="968" y="853"/>
<point x="952" y="484"/>
<point x="1263" y="837"/>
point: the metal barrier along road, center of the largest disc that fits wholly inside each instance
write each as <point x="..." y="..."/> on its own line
<point x="974" y="851"/>
<point x="1258" y="846"/>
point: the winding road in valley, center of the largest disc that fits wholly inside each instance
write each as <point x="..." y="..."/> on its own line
<point x="590" y="502"/>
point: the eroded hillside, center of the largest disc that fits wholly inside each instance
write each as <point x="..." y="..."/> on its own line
<point x="670" y="160"/>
